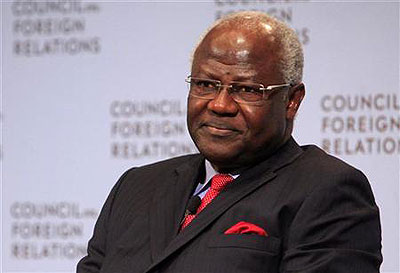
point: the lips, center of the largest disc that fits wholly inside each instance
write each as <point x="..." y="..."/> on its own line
<point x="219" y="129"/>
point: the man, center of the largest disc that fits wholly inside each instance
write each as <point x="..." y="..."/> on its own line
<point x="272" y="207"/>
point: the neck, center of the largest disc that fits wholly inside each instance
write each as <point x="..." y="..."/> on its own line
<point x="238" y="166"/>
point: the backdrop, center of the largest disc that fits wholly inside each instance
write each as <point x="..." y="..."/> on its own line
<point x="90" y="89"/>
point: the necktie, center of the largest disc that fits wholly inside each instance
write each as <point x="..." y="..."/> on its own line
<point x="218" y="183"/>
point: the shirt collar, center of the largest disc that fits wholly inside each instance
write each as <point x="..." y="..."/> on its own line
<point x="210" y="172"/>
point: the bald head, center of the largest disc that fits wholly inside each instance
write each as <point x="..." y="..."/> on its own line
<point x="258" y="34"/>
<point x="245" y="50"/>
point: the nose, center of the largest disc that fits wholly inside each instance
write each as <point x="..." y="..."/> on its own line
<point x="223" y="104"/>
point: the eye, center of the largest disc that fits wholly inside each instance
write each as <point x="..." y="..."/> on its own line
<point x="247" y="92"/>
<point x="247" y="89"/>
<point x="205" y="83"/>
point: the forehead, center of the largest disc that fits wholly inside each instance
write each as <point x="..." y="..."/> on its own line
<point x="247" y="52"/>
<point x="212" y="66"/>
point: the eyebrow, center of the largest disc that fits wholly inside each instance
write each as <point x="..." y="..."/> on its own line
<point x="245" y="76"/>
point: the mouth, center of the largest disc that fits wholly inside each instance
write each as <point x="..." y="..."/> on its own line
<point x="219" y="129"/>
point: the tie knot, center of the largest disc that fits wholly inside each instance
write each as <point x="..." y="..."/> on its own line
<point x="219" y="181"/>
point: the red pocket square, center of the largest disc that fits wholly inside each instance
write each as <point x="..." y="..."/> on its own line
<point x="246" y="228"/>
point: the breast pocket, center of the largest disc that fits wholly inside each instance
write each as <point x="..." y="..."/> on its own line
<point x="268" y="244"/>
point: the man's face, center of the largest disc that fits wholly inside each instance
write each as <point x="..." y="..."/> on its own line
<point x="232" y="135"/>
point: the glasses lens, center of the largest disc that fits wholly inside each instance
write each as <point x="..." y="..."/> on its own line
<point x="247" y="92"/>
<point x="203" y="88"/>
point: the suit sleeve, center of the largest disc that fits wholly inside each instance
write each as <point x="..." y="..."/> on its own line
<point x="336" y="229"/>
<point x="96" y="250"/>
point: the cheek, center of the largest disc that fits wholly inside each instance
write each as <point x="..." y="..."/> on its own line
<point x="194" y="109"/>
<point x="264" y="122"/>
<point x="255" y="118"/>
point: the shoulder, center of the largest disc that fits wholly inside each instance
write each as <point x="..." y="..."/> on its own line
<point x="140" y="183"/>
<point x="319" y="162"/>
<point x="315" y="171"/>
<point x="151" y="175"/>
<point x="334" y="211"/>
<point x="166" y="166"/>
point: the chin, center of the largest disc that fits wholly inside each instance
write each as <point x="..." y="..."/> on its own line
<point x="220" y="157"/>
<point x="219" y="151"/>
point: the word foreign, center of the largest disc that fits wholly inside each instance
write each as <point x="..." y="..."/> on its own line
<point x="48" y="26"/>
<point x="149" y="128"/>
<point x="46" y="230"/>
<point x="360" y="124"/>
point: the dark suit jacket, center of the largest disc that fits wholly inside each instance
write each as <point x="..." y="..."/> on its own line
<point x="319" y="213"/>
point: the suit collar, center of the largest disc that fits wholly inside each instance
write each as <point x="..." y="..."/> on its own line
<point x="285" y="155"/>
<point x="169" y="203"/>
<point x="249" y="181"/>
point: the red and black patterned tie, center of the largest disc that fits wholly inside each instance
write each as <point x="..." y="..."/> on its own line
<point x="218" y="183"/>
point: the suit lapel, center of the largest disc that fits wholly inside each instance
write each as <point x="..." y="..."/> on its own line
<point x="248" y="181"/>
<point x="169" y="203"/>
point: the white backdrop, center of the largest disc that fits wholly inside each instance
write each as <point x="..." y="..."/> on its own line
<point x="90" y="89"/>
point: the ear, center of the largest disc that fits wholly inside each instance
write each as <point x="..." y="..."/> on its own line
<point x="296" y="95"/>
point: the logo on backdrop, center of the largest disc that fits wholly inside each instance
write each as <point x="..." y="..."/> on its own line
<point x="44" y="28"/>
<point x="355" y="124"/>
<point x="148" y="130"/>
<point x="281" y="10"/>
<point x="49" y="230"/>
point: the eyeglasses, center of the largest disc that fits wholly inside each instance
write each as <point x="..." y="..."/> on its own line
<point x="241" y="92"/>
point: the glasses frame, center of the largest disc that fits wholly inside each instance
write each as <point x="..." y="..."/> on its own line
<point x="229" y="86"/>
